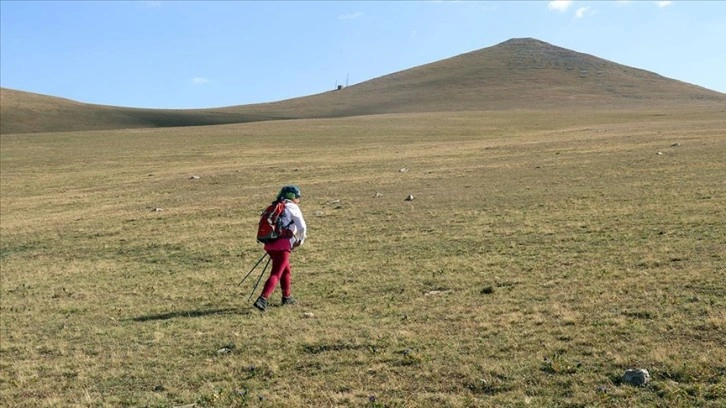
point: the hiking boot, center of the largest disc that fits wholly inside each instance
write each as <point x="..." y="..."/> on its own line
<point x="260" y="303"/>
<point x="288" y="300"/>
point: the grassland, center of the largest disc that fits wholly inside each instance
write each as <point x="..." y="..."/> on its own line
<point x="544" y="254"/>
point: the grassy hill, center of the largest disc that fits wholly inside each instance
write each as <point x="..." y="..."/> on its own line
<point x="516" y="74"/>
<point x="24" y="112"/>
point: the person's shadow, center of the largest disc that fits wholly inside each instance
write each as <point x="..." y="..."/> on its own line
<point x="189" y="314"/>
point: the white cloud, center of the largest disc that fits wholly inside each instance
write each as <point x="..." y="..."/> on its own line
<point x="350" y="16"/>
<point x="580" y="13"/>
<point x="662" y="4"/>
<point x="559" y="5"/>
<point x="200" y="81"/>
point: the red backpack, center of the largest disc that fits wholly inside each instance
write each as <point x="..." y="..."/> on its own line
<point x="270" y="227"/>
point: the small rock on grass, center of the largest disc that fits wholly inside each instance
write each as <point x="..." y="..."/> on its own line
<point x="226" y="349"/>
<point x="637" y="377"/>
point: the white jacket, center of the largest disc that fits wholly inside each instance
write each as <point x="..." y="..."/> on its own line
<point x="294" y="218"/>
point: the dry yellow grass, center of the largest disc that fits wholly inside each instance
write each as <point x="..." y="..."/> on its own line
<point x="543" y="255"/>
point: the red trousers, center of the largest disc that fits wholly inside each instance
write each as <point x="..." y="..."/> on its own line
<point x="280" y="272"/>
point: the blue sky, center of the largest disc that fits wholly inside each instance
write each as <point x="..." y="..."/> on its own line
<point x="165" y="54"/>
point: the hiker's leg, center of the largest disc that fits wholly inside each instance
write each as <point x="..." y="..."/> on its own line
<point x="286" y="280"/>
<point x="280" y="261"/>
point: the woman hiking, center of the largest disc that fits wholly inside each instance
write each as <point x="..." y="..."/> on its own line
<point x="279" y="249"/>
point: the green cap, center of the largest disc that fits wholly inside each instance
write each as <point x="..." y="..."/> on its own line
<point x="289" y="192"/>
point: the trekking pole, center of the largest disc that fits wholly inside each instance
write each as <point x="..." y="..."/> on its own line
<point x="253" y="268"/>
<point x="259" y="279"/>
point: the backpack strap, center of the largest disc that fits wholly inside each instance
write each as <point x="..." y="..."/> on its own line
<point x="291" y="220"/>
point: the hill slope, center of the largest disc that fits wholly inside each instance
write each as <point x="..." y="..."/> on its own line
<point x="24" y="112"/>
<point x="515" y="74"/>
